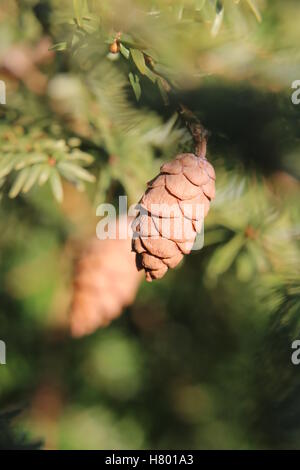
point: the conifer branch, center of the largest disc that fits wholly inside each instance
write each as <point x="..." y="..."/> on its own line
<point x="190" y="120"/>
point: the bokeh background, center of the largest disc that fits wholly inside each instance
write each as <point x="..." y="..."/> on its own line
<point x="202" y="358"/>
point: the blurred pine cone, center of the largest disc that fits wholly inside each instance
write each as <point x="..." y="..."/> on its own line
<point x="106" y="280"/>
<point x="171" y="212"/>
<point x="21" y="61"/>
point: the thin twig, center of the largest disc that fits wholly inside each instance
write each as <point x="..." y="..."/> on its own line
<point x="198" y="132"/>
<point x="190" y="120"/>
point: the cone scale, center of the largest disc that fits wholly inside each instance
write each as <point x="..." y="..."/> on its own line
<point x="171" y="213"/>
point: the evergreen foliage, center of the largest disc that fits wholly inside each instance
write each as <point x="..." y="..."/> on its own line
<point x="202" y="359"/>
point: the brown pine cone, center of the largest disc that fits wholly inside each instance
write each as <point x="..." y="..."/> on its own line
<point x="171" y="212"/>
<point x="106" y="280"/>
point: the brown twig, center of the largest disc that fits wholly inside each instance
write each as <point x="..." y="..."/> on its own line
<point x="190" y="120"/>
<point x="198" y="132"/>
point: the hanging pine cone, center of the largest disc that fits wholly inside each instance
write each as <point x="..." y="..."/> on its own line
<point x="172" y="211"/>
<point x="106" y="280"/>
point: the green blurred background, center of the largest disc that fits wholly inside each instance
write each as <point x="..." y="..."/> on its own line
<point x="202" y="359"/>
